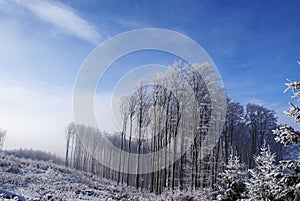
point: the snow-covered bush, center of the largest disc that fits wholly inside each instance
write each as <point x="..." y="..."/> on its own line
<point x="263" y="183"/>
<point x="232" y="180"/>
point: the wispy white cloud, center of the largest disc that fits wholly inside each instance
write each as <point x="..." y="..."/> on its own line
<point x="64" y="18"/>
<point x="130" y="23"/>
<point x="35" y="108"/>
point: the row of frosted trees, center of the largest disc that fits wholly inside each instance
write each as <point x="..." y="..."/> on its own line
<point x="175" y="115"/>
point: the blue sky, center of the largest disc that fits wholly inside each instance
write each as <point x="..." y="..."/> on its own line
<point x="254" y="44"/>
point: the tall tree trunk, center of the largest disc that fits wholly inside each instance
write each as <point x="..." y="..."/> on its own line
<point x="129" y="148"/>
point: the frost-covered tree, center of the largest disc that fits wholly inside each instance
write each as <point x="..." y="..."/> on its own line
<point x="264" y="183"/>
<point x="261" y="122"/>
<point x="234" y="126"/>
<point x="2" y="136"/>
<point x="69" y="135"/>
<point x="232" y="180"/>
<point x="287" y="135"/>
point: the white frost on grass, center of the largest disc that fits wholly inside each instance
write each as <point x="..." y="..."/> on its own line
<point x="39" y="181"/>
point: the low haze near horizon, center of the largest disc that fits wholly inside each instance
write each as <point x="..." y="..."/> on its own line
<point x="255" y="46"/>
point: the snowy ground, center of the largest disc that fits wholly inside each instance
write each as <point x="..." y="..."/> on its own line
<point x="45" y="181"/>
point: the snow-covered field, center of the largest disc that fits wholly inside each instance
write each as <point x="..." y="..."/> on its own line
<point x="36" y="180"/>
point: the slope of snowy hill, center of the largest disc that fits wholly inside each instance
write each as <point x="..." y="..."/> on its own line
<point x="37" y="180"/>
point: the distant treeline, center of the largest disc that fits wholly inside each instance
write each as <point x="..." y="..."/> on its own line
<point x="36" y="155"/>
